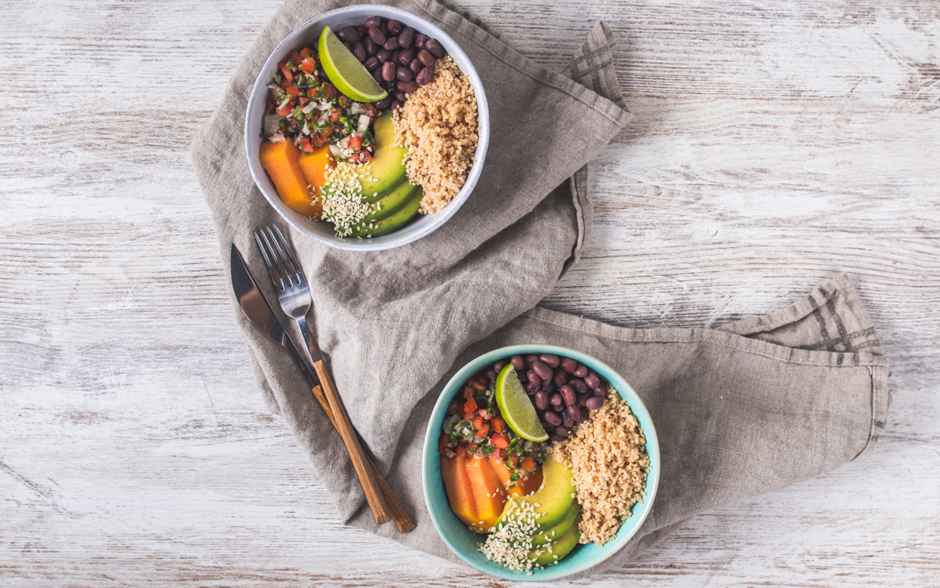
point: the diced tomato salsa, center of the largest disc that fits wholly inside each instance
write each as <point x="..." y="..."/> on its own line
<point x="474" y="426"/>
<point x="311" y="112"/>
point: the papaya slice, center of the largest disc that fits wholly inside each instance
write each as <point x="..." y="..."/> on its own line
<point x="489" y="496"/>
<point x="314" y="168"/>
<point x="281" y="161"/>
<point x="459" y="493"/>
<point x="526" y="484"/>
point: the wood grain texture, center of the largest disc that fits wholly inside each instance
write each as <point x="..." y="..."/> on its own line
<point x="345" y="429"/>
<point x="774" y="144"/>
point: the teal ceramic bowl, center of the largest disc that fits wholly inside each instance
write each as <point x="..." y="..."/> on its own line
<point x="458" y="536"/>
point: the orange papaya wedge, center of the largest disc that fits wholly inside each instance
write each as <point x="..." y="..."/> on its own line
<point x="281" y="161"/>
<point x="459" y="492"/>
<point x="489" y="496"/>
<point x="314" y="168"/>
<point x="525" y="485"/>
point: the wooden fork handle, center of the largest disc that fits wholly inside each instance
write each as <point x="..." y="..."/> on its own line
<point x="399" y="515"/>
<point x="356" y="454"/>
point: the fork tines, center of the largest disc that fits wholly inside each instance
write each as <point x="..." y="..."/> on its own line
<point x="282" y="267"/>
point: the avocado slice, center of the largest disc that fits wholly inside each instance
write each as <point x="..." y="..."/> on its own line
<point x="554" y="552"/>
<point x="391" y="203"/>
<point x="554" y="499"/>
<point x="393" y="222"/>
<point x="559" y="530"/>
<point x="387" y="168"/>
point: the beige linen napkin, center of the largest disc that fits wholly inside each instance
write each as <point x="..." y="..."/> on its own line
<point x="745" y="409"/>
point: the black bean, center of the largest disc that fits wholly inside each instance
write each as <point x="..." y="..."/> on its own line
<point x="359" y="50"/>
<point x="406" y="56"/>
<point x="517" y="362"/>
<point x="578" y="384"/>
<point x="592" y="380"/>
<point x="371" y="63"/>
<point x="556" y="400"/>
<point x="415" y="66"/>
<point x="566" y="420"/>
<point x="406" y="37"/>
<point x="580" y="371"/>
<point x="420" y="40"/>
<point x="383" y="55"/>
<point x="599" y="392"/>
<point x="377" y="74"/>
<point x="370" y="46"/>
<point x="384" y="102"/>
<point x="595" y="402"/>
<point x="541" y="369"/>
<point x="348" y="45"/>
<point x="533" y="377"/>
<point x="556" y="437"/>
<point x="348" y="34"/>
<point x="391" y="43"/>
<point x="530" y="388"/>
<point x="393" y="27"/>
<point x="568" y="393"/>
<point x="490" y="374"/>
<point x="425" y="57"/>
<point x="562" y="431"/>
<point x="548" y="386"/>
<point x="396" y="105"/>
<point x="363" y="30"/>
<point x="401" y="96"/>
<point x="583" y="398"/>
<point x="567" y="364"/>
<point x="376" y="36"/>
<point x="404" y="74"/>
<point x="499" y="365"/>
<point x="553" y="418"/>
<point x="388" y="71"/>
<point x="575" y="412"/>
<point x="561" y="378"/>
<point x="550" y="360"/>
<point x="436" y="49"/>
<point x="374" y="21"/>
<point x="424" y="76"/>
<point x="541" y="400"/>
<point x="530" y="359"/>
<point x="559" y="408"/>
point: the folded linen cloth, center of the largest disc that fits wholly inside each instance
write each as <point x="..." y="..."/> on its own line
<point x="747" y="408"/>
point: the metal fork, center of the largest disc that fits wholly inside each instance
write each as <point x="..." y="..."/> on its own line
<point x="293" y="294"/>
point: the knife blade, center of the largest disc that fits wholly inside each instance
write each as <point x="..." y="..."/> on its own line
<point x="259" y="313"/>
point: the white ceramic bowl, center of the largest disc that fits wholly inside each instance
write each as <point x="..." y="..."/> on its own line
<point x="307" y="35"/>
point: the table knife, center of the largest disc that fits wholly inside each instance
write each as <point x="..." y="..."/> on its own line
<point x="262" y="317"/>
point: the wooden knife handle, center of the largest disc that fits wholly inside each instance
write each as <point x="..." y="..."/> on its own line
<point x="399" y="515"/>
<point x="358" y="456"/>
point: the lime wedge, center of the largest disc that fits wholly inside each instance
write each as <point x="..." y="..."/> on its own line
<point x="516" y="407"/>
<point x="345" y="72"/>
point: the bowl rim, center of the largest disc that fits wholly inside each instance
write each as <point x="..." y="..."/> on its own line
<point x="623" y="388"/>
<point x="257" y="94"/>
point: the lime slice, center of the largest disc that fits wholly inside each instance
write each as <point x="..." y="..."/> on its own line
<point x="516" y="407"/>
<point x="345" y="72"/>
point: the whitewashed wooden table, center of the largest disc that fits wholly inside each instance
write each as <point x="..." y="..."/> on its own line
<point x="774" y="145"/>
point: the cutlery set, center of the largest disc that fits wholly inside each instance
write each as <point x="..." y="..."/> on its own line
<point x="295" y="300"/>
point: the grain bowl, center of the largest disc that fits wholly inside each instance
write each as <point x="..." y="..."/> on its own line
<point x="258" y="133"/>
<point x="470" y="534"/>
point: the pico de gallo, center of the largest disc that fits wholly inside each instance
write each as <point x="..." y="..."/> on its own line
<point x="474" y="427"/>
<point x="304" y="107"/>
